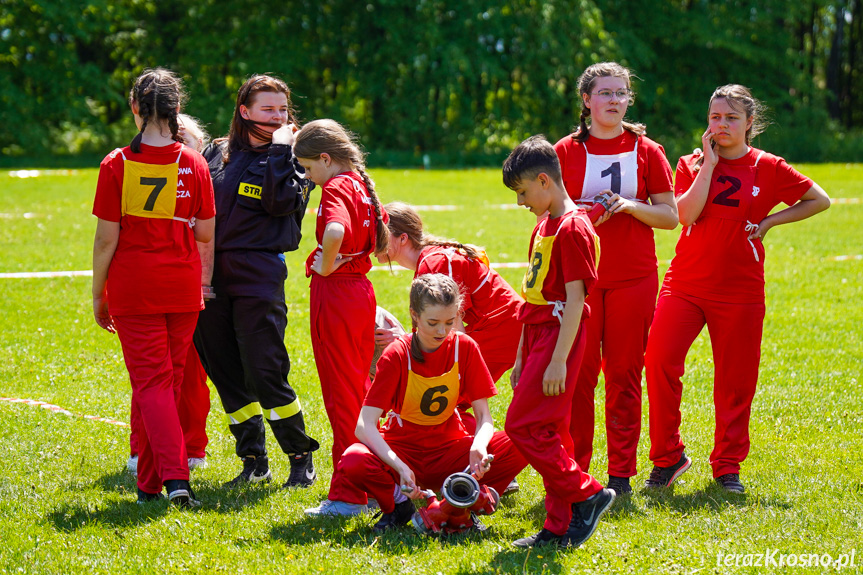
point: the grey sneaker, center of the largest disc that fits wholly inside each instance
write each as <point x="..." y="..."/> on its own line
<point x="198" y="463"/>
<point x="731" y="482"/>
<point x="665" y="476"/>
<point x="255" y="470"/>
<point x="336" y="508"/>
<point x="132" y="465"/>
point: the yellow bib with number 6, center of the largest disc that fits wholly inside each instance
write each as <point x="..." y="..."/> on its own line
<point x="431" y="400"/>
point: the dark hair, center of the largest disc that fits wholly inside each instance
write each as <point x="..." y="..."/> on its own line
<point x="740" y="99"/>
<point x="330" y="137"/>
<point x="585" y="87"/>
<point x="239" y="136"/>
<point x="404" y="219"/>
<point x="159" y="95"/>
<point x="529" y="159"/>
<point x="428" y="290"/>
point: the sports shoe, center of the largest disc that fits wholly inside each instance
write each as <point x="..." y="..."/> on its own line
<point x="585" y="517"/>
<point x="400" y="516"/>
<point x="303" y="472"/>
<point x="337" y="508"/>
<point x="511" y="488"/>
<point x="619" y="485"/>
<point x="665" y="476"/>
<point x="132" y="465"/>
<point x="255" y="470"/>
<point x="198" y="463"/>
<point x="144" y="497"/>
<point x="541" y="539"/>
<point x="180" y="494"/>
<point x="731" y="482"/>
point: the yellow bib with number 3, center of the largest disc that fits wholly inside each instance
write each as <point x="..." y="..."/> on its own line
<point x="540" y="261"/>
<point x="431" y="400"/>
<point x="149" y="190"/>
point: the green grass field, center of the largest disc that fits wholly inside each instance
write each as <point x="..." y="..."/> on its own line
<point x="67" y="504"/>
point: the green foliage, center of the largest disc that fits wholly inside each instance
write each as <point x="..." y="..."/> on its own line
<point x="463" y="81"/>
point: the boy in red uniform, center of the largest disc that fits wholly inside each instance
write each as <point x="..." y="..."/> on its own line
<point x="552" y="345"/>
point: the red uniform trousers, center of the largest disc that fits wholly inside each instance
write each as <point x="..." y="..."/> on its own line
<point x="193" y="408"/>
<point x="538" y="425"/>
<point x="343" y="325"/>
<point x="616" y="339"/>
<point x="735" y="336"/>
<point x="155" y="347"/>
<point x="431" y="465"/>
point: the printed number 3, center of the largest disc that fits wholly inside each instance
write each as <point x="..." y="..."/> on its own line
<point x="613" y="171"/>
<point x="534" y="269"/>
<point x="431" y="405"/>
<point x="158" y="185"/>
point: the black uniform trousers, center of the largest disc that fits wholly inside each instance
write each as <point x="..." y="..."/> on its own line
<point x="241" y="340"/>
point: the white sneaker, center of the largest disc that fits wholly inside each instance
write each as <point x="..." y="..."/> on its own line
<point x="132" y="465"/>
<point x="343" y="508"/>
<point x="198" y="463"/>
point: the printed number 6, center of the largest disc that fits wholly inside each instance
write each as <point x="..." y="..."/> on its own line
<point x="158" y="185"/>
<point x="431" y="405"/>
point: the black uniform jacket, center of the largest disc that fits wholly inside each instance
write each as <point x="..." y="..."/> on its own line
<point x="260" y="198"/>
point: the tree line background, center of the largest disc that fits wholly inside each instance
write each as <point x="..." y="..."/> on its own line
<point x="461" y="81"/>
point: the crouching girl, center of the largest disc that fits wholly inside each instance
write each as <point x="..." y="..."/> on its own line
<point x="420" y="378"/>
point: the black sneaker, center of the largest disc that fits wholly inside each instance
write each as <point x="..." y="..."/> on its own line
<point x="541" y="539"/>
<point x="619" y="485"/>
<point x="731" y="482"/>
<point x="144" y="497"/>
<point x="255" y="470"/>
<point x="180" y="494"/>
<point x="303" y="472"/>
<point x="585" y="517"/>
<point x="665" y="476"/>
<point x="400" y="516"/>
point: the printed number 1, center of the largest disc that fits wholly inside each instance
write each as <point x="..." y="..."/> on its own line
<point x="158" y="185"/>
<point x="613" y="171"/>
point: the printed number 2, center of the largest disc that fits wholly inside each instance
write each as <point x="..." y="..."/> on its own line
<point x="534" y="269"/>
<point x="724" y="198"/>
<point x="431" y="405"/>
<point x="158" y="185"/>
<point x="613" y="171"/>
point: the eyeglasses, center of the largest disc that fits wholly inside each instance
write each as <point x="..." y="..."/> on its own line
<point x="621" y="95"/>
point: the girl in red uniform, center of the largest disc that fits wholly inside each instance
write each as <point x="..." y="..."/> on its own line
<point x="725" y="195"/>
<point x="195" y="395"/>
<point x="489" y="304"/>
<point x="154" y="199"/>
<point x="419" y="380"/>
<point x="614" y="158"/>
<point x="349" y="228"/>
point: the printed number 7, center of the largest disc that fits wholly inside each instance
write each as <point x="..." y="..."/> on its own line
<point x="158" y="185"/>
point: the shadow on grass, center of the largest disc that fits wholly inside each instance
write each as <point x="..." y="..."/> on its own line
<point x="70" y="518"/>
<point x="711" y="496"/>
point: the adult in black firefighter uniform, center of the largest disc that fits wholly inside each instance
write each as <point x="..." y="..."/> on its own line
<point x="261" y="196"/>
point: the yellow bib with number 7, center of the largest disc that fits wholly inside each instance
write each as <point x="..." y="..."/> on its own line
<point x="149" y="190"/>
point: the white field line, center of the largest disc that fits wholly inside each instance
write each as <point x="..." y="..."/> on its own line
<point x="844" y="258"/>
<point x="60" y="410"/>
<point x="20" y="275"/>
<point x="38" y="173"/>
<point x="25" y="215"/>
<point x="846" y="200"/>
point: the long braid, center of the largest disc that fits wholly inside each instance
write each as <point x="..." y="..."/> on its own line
<point x="582" y="133"/>
<point x="382" y="236"/>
